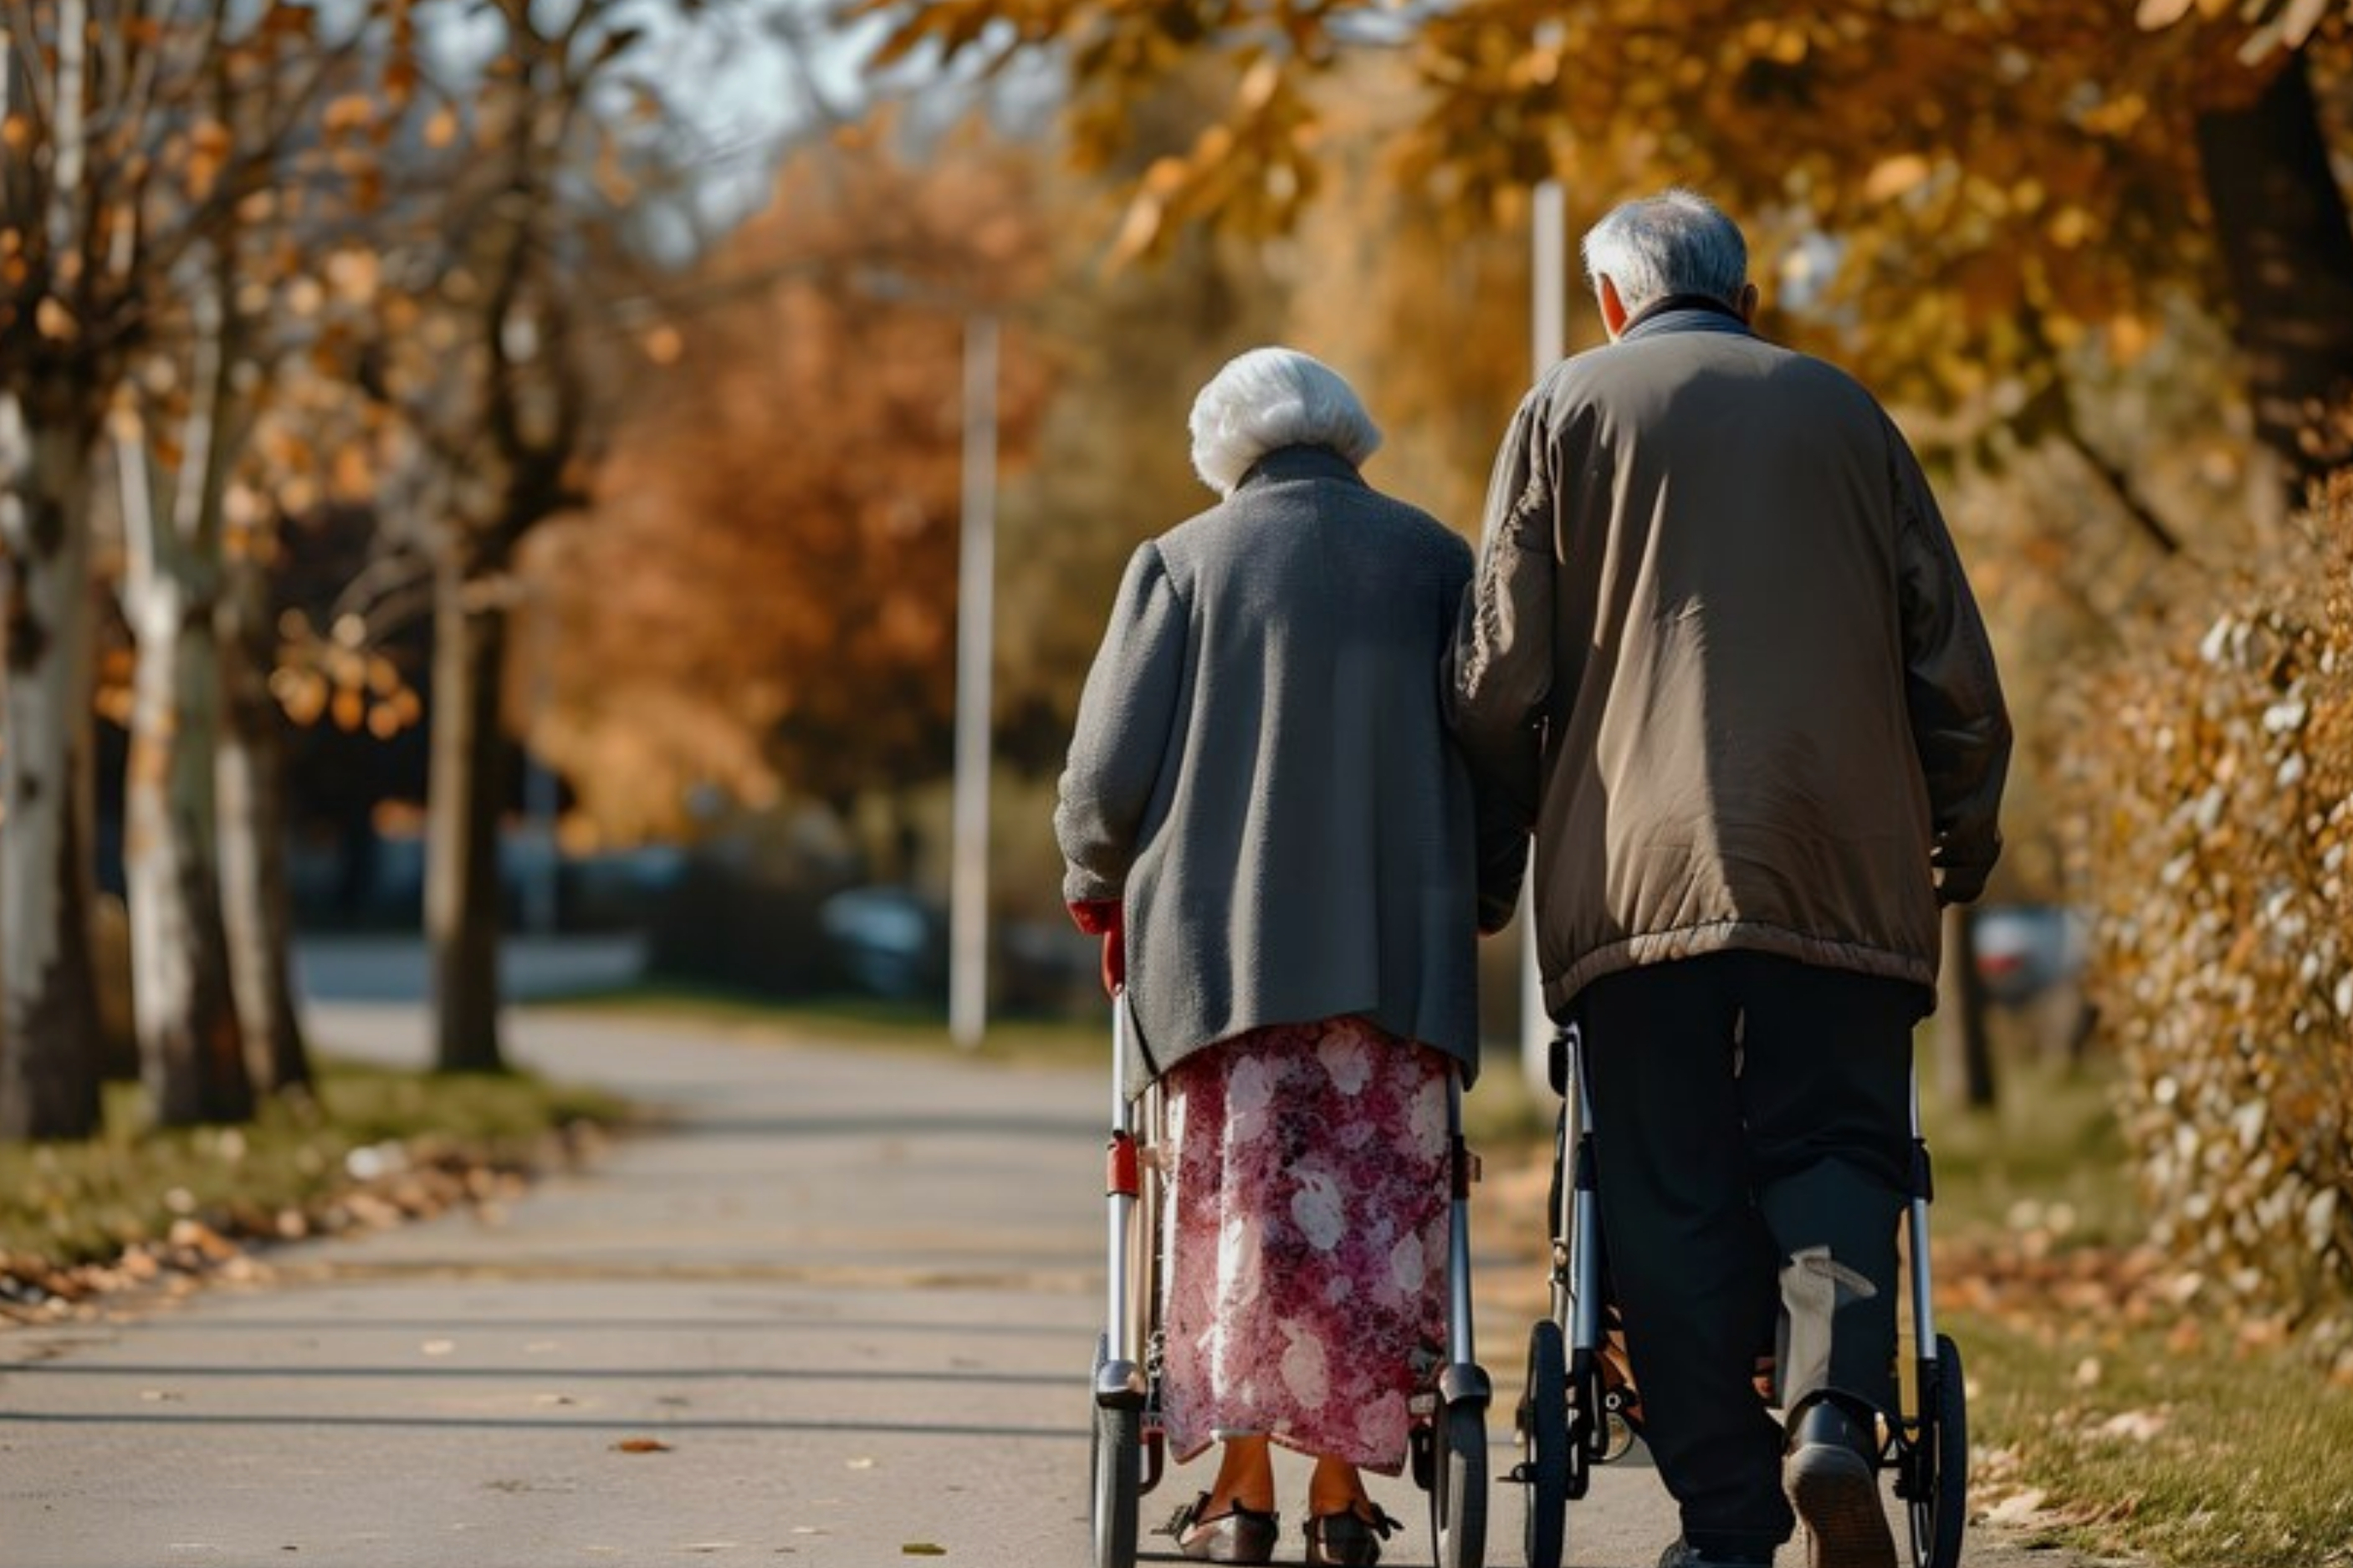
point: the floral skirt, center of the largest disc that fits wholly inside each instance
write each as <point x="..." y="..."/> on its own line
<point x="1307" y="1230"/>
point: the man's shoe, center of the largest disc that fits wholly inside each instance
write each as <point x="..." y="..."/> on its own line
<point x="1833" y="1476"/>
<point x="1682" y="1553"/>
<point x="1237" y="1535"/>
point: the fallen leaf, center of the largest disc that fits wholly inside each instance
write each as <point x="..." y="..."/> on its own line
<point x="861" y="1464"/>
<point x="2132" y="1426"/>
<point x="923" y="1549"/>
<point x="640" y="1445"/>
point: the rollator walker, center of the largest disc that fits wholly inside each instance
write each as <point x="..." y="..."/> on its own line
<point x="1576" y="1410"/>
<point x="1447" y="1443"/>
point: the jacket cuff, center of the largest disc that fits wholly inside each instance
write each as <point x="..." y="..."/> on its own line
<point x="1096" y="917"/>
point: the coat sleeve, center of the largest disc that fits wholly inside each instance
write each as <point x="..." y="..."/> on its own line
<point x="1960" y="727"/>
<point x="1125" y="714"/>
<point x="1503" y="662"/>
<point x="1500" y="833"/>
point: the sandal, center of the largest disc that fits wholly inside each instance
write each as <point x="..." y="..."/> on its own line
<point x="1237" y="1535"/>
<point x="1348" y="1539"/>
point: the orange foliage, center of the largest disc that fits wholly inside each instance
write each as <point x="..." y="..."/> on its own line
<point x="1996" y="181"/>
<point x="764" y="597"/>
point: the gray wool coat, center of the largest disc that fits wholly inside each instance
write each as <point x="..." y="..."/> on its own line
<point x="1261" y="771"/>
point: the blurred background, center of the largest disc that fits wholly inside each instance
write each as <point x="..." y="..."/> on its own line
<point x="650" y="474"/>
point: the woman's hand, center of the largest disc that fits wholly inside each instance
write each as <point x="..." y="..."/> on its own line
<point x="1107" y="919"/>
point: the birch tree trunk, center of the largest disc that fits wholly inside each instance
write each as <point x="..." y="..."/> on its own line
<point x="257" y="903"/>
<point x="464" y="793"/>
<point x="49" y="1001"/>
<point x="192" y="1056"/>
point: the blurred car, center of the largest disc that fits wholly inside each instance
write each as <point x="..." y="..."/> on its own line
<point x="889" y="941"/>
<point x="2028" y="950"/>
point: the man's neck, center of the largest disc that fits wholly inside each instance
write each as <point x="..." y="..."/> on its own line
<point x="1670" y="303"/>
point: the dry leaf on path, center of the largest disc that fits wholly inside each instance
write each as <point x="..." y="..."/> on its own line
<point x="640" y="1445"/>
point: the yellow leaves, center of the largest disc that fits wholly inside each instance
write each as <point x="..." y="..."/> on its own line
<point x="349" y="114"/>
<point x="286" y="20"/>
<point x="441" y="127"/>
<point x="354" y="274"/>
<point x="1780" y="42"/>
<point x="1891" y="177"/>
<point x="664" y="344"/>
<point x="2116" y="116"/>
<point x="2129" y="337"/>
<point x="1259" y="86"/>
<point x="54" y="321"/>
<point x="2216" y="783"/>
<point x="301" y="693"/>
<point x="2070" y="227"/>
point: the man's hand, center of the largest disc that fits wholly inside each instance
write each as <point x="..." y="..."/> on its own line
<point x="1955" y="883"/>
<point x="1107" y="919"/>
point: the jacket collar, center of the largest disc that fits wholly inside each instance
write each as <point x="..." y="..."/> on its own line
<point x="1685" y="313"/>
<point x="1298" y="463"/>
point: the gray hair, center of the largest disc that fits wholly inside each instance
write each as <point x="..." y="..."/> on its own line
<point x="1270" y="398"/>
<point x="1678" y="242"/>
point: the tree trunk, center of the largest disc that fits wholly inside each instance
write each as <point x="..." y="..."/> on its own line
<point x="1964" y="1049"/>
<point x="191" y="1054"/>
<point x="2287" y="248"/>
<point x="465" y="789"/>
<point x="257" y="902"/>
<point x="48" y="1009"/>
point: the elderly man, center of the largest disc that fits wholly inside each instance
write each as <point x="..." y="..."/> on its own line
<point x="1722" y="654"/>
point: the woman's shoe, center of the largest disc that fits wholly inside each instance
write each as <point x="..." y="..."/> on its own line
<point x="1348" y="1539"/>
<point x="1237" y="1535"/>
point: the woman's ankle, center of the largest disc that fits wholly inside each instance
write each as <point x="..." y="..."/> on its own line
<point x="1338" y="1488"/>
<point x="1245" y="1476"/>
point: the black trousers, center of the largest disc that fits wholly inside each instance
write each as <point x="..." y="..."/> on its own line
<point x="1752" y="1125"/>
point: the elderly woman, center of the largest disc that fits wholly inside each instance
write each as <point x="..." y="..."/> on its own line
<point x="1265" y="819"/>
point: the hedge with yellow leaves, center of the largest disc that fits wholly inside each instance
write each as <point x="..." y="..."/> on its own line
<point x="2212" y="777"/>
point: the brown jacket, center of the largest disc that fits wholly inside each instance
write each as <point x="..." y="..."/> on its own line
<point x="1721" y="652"/>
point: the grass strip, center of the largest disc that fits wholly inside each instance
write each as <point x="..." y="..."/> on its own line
<point x="855" y="1021"/>
<point x="66" y="1205"/>
<point x="2173" y="1444"/>
<point x="2107" y="1414"/>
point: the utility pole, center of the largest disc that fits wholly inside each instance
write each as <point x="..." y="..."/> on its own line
<point x="976" y="650"/>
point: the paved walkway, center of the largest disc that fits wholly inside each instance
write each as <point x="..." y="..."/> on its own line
<point x="837" y="1312"/>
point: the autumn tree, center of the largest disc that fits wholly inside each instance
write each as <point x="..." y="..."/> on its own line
<point x="763" y="601"/>
<point x="118" y="178"/>
<point x="515" y="190"/>
<point x="215" y="1028"/>
<point x="1960" y="195"/>
<point x="67" y="303"/>
<point x="1132" y="346"/>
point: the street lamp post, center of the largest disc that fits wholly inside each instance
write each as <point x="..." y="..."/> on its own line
<point x="976" y="650"/>
<point x="1548" y="340"/>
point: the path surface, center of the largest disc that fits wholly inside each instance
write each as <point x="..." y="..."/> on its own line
<point x="850" y="1295"/>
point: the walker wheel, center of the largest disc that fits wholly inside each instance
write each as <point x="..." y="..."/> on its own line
<point x="1939" y="1497"/>
<point x="1542" y="1425"/>
<point x="1117" y="1444"/>
<point x="1458" y="1499"/>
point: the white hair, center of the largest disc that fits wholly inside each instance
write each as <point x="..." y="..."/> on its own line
<point x="1270" y="398"/>
<point x="1678" y="242"/>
